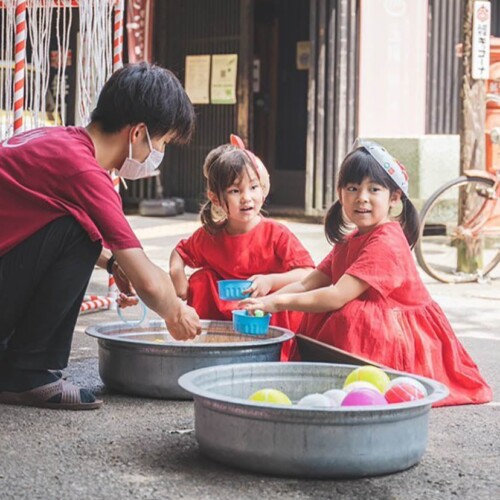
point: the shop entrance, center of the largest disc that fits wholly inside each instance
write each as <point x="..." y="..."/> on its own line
<point x="280" y="83"/>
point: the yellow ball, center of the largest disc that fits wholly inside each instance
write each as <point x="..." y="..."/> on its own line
<point x="370" y="374"/>
<point x="272" y="396"/>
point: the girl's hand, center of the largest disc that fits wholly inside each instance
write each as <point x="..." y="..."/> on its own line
<point x="267" y="304"/>
<point x="261" y="285"/>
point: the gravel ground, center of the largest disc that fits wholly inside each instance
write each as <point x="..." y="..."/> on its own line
<point x="137" y="448"/>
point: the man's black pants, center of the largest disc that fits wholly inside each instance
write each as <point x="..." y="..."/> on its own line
<point x="42" y="283"/>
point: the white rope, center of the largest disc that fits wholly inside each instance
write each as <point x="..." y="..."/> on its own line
<point x="39" y="24"/>
<point x="93" y="60"/>
<point x="95" y="57"/>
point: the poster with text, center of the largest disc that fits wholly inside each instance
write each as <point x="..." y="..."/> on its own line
<point x="224" y="73"/>
<point x="198" y="79"/>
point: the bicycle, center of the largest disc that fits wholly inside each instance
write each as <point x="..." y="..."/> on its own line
<point x="460" y="226"/>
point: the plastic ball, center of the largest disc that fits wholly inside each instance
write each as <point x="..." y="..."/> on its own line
<point x="258" y="313"/>
<point x="371" y="374"/>
<point x="402" y="393"/>
<point x="315" y="400"/>
<point x="336" y="396"/>
<point x="360" y="384"/>
<point x="272" y="396"/>
<point x="408" y="380"/>
<point x="364" y="397"/>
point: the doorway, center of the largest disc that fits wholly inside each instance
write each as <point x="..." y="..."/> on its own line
<point x="280" y="85"/>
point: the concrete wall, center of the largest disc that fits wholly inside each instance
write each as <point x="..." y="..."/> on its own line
<point x="431" y="160"/>
<point x="392" y="67"/>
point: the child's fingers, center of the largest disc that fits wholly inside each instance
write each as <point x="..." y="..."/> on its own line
<point x="249" y="304"/>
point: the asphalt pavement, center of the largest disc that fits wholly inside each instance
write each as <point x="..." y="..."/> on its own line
<point x="137" y="448"/>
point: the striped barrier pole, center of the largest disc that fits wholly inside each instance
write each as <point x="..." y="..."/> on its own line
<point x="20" y="62"/>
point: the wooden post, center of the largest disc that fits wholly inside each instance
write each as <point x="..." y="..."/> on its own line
<point x="472" y="139"/>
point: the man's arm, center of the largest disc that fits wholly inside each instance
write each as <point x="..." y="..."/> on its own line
<point x="155" y="288"/>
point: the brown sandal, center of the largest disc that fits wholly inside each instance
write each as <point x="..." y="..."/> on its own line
<point x="40" y="396"/>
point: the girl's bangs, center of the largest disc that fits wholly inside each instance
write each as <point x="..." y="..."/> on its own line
<point x="360" y="165"/>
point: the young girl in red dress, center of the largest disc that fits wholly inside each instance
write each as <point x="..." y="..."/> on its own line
<point x="366" y="296"/>
<point x="235" y="241"/>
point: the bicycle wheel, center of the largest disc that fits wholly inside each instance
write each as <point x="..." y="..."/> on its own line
<point x="459" y="253"/>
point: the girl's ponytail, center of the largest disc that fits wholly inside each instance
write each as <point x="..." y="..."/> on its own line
<point x="212" y="217"/>
<point x="336" y="227"/>
<point x="410" y="221"/>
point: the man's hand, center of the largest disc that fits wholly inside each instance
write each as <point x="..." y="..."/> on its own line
<point x="261" y="285"/>
<point x="127" y="297"/>
<point x="125" y="300"/>
<point x="186" y="325"/>
<point x="121" y="280"/>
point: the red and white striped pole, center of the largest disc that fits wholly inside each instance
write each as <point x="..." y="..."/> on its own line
<point x="118" y="36"/>
<point x="20" y="62"/>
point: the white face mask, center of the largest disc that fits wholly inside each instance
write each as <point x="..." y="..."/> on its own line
<point x="134" y="169"/>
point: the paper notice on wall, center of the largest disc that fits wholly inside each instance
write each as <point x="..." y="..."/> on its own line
<point x="198" y="79"/>
<point x="224" y="74"/>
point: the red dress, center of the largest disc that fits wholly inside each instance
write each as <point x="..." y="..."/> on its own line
<point x="268" y="248"/>
<point x="395" y="322"/>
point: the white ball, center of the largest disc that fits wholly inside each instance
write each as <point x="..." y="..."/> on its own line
<point x="315" y="400"/>
<point x="336" y="396"/>
<point x="360" y="384"/>
<point x="408" y="380"/>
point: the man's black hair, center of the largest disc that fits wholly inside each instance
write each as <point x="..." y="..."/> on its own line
<point x="145" y="93"/>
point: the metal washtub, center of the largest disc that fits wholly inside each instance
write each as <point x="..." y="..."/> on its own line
<point x="146" y="361"/>
<point x="304" y="442"/>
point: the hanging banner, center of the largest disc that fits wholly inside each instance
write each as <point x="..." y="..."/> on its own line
<point x="224" y="73"/>
<point x="197" y="82"/>
<point x="481" y="41"/>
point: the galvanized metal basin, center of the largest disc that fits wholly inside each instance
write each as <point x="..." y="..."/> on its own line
<point x="299" y="442"/>
<point x="146" y="361"/>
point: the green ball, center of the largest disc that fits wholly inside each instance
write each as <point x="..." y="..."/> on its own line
<point x="370" y="374"/>
<point x="258" y="313"/>
<point x="272" y="396"/>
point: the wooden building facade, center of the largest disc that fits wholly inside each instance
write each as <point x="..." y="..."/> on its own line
<point x="297" y="88"/>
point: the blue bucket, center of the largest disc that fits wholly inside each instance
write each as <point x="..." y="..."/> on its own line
<point x="233" y="289"/>
<point x="250" y="325"/>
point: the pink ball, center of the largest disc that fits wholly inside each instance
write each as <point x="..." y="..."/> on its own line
<point x="364" y="397"/>
<point x="401" y="393"/>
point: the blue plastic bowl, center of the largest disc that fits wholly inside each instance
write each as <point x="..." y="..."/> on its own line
<point x="233" y="289"/>
<point x="250" y="325"/>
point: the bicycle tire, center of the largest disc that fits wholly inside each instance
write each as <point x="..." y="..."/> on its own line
<point x="437" y="248"/>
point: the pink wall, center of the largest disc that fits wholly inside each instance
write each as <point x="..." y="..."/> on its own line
<point x="393" y="56"/>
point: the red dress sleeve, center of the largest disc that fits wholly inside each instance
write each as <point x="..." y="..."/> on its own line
<point x="325" y="266"/>
<point x="380" y="263"/>
<point x="192" y="249"/>
<point x="292" y="252"/>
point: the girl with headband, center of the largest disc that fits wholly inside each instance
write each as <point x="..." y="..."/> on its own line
<point x="366" y="297"/>
<point x="236" y="241"/>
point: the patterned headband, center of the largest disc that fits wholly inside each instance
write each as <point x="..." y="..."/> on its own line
<point x="256" y="162"/>
<point x="388" y="163"/>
